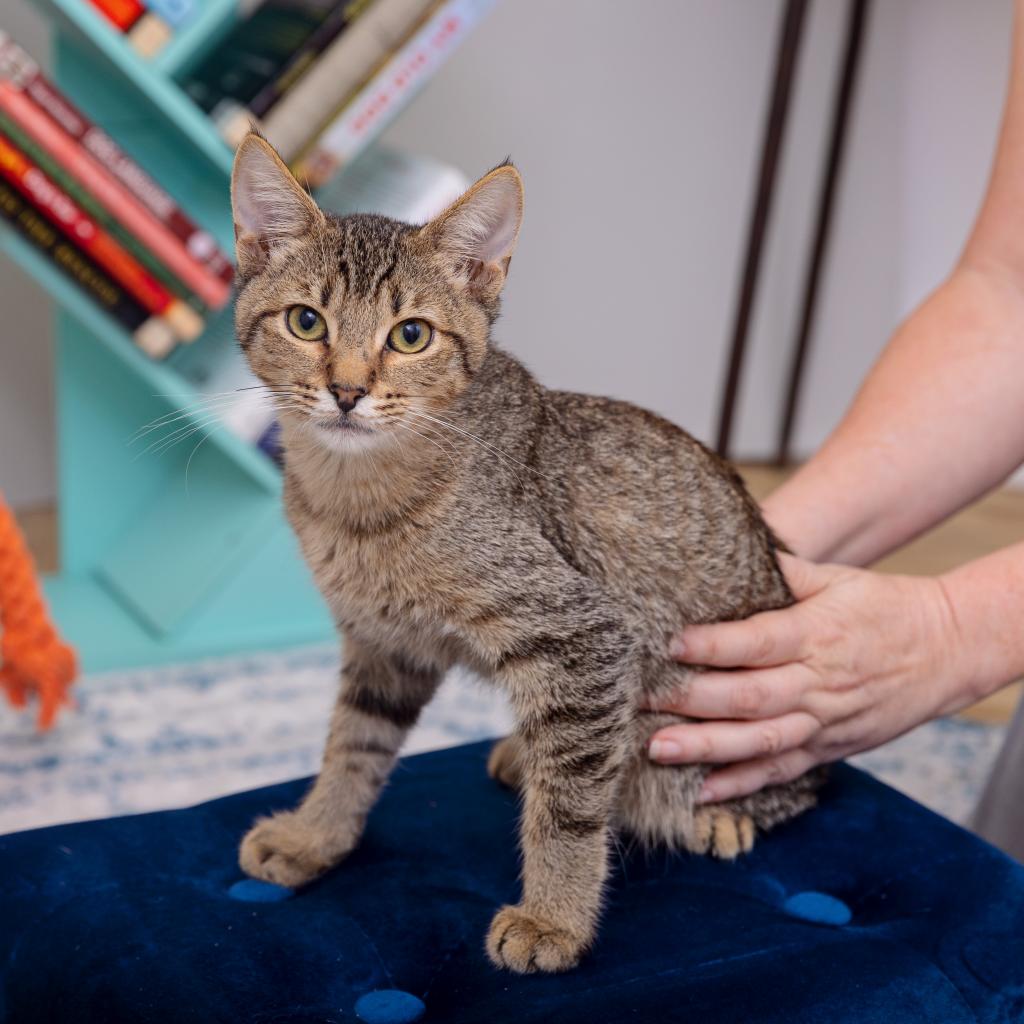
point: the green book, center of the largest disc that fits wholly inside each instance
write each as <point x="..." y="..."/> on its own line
<point x="255" y="51"/>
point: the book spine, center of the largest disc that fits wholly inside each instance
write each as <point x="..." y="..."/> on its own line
<point x="336" y="23"/>
<point x="341" y="72"/>
<point x="256" y="51"/>
<point x="88" y="203"/>
<point x="149" y="35"/>
<point x="76" y="265"/>
<point x="397" y="81"/>
<point x="233" y="118"/>
<point x="24" y="75"/>
<point x="128" y="210"/>
<point x="63" y="212"/>
<point x="120" y="13"/>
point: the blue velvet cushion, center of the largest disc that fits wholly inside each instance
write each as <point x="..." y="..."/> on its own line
<point x="869" y="909"/>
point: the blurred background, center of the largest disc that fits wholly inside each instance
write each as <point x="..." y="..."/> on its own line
<point x="639" y="130"/>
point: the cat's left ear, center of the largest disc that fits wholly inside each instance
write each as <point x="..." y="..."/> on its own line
<point x="270" y="208"/>
<point x="475" y="236"/>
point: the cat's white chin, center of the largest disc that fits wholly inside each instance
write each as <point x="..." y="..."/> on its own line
<point x="346" y="437"/>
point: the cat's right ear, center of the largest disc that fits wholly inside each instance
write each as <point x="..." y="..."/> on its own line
<point x="270" y="208"/>
<point x="476" y="235"/>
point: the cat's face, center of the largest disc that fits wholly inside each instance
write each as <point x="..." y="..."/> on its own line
<point x="363" y="327"/>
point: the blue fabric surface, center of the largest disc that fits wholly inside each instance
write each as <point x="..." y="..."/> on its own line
<point x="141" y="919"/>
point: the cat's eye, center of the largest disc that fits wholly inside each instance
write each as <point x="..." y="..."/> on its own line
<point x="306" y="323"/>
<point x="410" y="336"/>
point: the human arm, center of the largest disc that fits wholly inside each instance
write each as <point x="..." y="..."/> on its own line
<point x="935" y="423"/>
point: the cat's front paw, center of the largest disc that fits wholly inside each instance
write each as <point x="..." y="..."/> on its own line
<point x="287" y="851"/>
<point x="524" y="943"/>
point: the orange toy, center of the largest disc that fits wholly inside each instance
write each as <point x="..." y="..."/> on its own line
<point x="32" y="656"/>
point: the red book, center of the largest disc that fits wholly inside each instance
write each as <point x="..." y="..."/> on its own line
<point x="125" y="208"/>
<point x="24" y="75"/>
<point x="59" y="208"/>
<point x="122" y="13"/>
<point x="152" y="333"/>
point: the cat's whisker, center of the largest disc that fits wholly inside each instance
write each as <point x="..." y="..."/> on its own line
<point x="200" y="408"/>
<point x="220" y="401"/>
<point x="192" y="454"/>
<point x="510" y="462"/>
<point x="480" y="440"/>
<point x="405" y="426"/>
<point x="453" y="445"/>
<point x="161" y="445"/>
<point x="197" y="421"/>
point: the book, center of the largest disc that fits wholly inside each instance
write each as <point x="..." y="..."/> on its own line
<point x="146" y="31"/>
<point x="121" y="14"/>
<point x="18" y="68"/>
<point x="149" y="35"/>
<point x="233" y="119"/>
<point x="88" y="202"/>
<point x="151" y="333"/>
<point x="397" y="81"/>
<point x="62" y="211"/>
<point x="342" y="69"/>
<point x="109" y="191"/>
<point x="255" y="50"/>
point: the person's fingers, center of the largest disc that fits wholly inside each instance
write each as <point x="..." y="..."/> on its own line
<point x="761" y="693"/>
<point x="726" y="742"/>
<point x="752" y="776"/>
<point x="770" y="638"/>
<point x="805" y="578"/>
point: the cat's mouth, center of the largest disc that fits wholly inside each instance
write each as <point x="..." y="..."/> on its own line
<point x="343" y="423"/>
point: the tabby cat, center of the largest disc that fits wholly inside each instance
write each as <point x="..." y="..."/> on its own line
<point x="453" y="510"/>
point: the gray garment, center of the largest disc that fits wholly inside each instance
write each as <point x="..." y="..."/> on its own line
<point x="999" y="816"/>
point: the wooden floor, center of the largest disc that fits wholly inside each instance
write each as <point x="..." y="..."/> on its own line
<point x="994" y="522"/>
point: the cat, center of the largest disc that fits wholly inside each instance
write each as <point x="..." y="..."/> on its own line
<point x="453" y="510"/>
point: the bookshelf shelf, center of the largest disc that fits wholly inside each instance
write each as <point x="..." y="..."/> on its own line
<point x="174" y="552"/>
<point x="193" y="41"/>
<point x="171" y="382"/>
<point x="150" y="80"/>
<point x="165" y="554"/>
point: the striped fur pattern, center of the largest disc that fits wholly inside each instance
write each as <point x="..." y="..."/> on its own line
<point x="460" y="512"/>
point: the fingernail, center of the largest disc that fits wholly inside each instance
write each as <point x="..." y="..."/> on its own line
<point x="663" y="750"/>
<point x="677" y="648"/>
<point x="705" y="796"/>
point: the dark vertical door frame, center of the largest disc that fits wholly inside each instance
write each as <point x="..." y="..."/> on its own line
<point x="855" y="30"/>
<point x="787" y="52"/>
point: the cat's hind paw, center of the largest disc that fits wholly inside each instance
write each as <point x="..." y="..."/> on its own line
<point x="722" y="832"/>
<point x="521" y="942"/>
<point x="504" y="764"/>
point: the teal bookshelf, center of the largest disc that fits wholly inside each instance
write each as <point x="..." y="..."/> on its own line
<point x="182" y="554"/>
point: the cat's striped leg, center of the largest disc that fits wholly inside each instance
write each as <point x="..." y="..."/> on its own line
<point x="569" y="683"/>
<point x="380" y="699"/>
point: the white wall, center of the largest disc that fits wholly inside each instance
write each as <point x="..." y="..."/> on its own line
<point x="637" y="129"/>
<point x="636" y="137"/>
<point x="26" y="405"/>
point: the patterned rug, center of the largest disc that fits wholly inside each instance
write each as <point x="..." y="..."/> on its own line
<point x="167" y="737"/>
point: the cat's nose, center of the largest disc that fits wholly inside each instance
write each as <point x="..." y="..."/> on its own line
<point x="345" y="396"/>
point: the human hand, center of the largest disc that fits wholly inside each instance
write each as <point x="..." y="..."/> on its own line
<point x="860" y="659"/>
